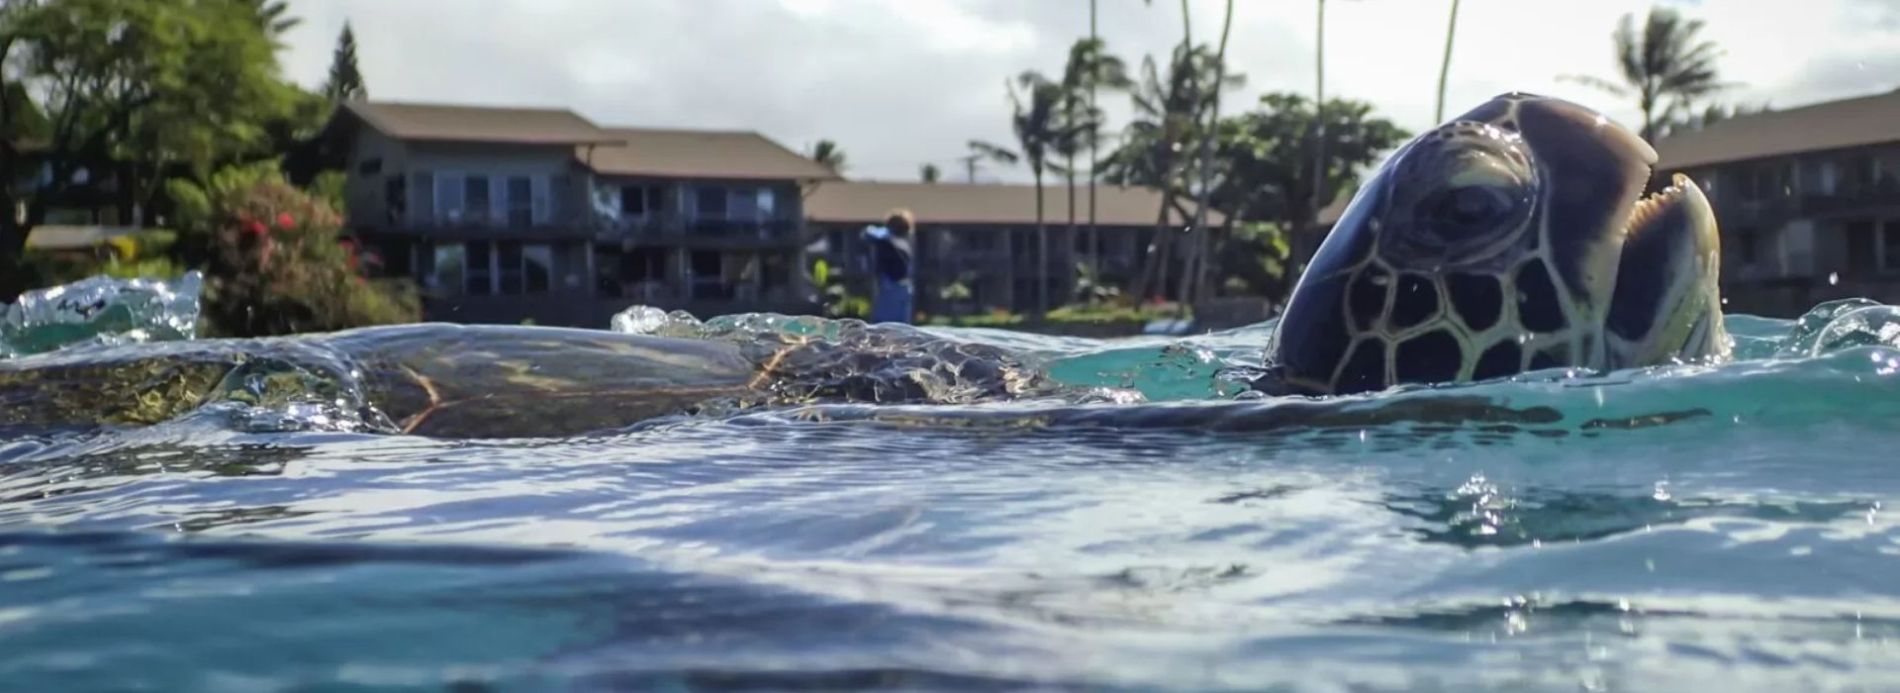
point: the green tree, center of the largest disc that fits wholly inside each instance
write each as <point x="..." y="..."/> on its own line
<point x="827" y="152"/>
<point x="137" y="93"/>
<point x="346" y="81"/>
<point x="1194" y="274"/>
<point x="1040" y="131"/>
<point x="1665" y="65"/>
<point x="930" y="173"/>
<point x="1168" y="108"/>
<point x="1089" y="69"/>
<point x="985" y="151"/>
<point x="273" y="17"/>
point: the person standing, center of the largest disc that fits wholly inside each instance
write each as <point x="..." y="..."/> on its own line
<point x="890" y="252"/>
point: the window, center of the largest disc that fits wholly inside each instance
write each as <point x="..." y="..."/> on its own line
<point x="1858" y="175"/>
<point x="644" y="265"/>
<point x="537" y="267"/>
<point x="508" y="261"/>
<point x="633" y="200"/>
<point x="768" y="204"/>
<point x="709" y="280"/>
<point x="450" y="266"/>
<point x="475" y="198"/>
<point x="1890" y="245"/>
<point x="710" y="202"/>
<point x="448" y="197"/>
<point x="423" y="183"/>
<point x="1747" y="246"/>
<point x="395" y="199"/>
<point x="370" y="167"/>
<point x="480" y="269"/>
<point x="777" y="271"/>
<point x="520" y="201"/>
<point x="1863" y="246"/>
<point x="743" y="205"/>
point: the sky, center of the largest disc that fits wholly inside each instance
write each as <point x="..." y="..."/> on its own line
<point x="902" y="83"/>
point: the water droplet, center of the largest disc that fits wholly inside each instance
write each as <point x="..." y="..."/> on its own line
<point x="1833" y="278"/>
<point x="1725" y="300"/>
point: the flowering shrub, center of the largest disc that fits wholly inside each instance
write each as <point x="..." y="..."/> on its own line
<point x="275" y="262"/>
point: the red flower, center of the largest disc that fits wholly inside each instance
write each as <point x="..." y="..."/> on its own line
<point x="256" y="228"/>
<point x="284" y="221"/>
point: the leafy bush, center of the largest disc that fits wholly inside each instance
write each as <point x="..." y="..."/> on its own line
<point x="275" y="262"/>
<point x="840" y="302"/>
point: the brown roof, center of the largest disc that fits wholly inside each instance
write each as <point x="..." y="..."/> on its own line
<point x="700" y="154"/>
<point x="412" y="121"/>
<point x="1830" y="125"/>
<point x="983" y="203"/>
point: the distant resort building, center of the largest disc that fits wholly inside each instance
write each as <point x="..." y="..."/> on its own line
<point x="1808" y="200"/>
<point x="509" y="214"/>
<point x="983" y="237"/>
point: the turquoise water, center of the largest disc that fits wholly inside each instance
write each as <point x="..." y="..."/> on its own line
<point x="1723" y="528"/>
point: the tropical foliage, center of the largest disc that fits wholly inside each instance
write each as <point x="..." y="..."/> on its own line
<point x="275" y="261"/>
<point x="1664" y="65"/>
<point x="828" y="153"/>
<point x="116" y="98"/>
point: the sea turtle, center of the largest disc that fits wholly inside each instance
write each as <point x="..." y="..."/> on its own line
<point x="1515" y="237"/>
<point x="492" y="381"/>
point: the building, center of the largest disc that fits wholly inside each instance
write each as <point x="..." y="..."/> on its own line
<point x="982" y="238"/>
<point x="1808" y="200"/>
<point x="511" y="214"/>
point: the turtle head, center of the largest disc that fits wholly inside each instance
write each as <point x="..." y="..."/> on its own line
<point x="1514" y="237"/>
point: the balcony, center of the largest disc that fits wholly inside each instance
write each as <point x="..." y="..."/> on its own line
<point x="708" y="232"/>
<point x="1866" y="198"/>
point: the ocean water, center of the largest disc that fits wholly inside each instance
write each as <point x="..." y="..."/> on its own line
<point x="1708" y="528"/>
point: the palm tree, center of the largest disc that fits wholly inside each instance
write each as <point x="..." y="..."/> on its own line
<point x="1166" y="121"/>
<point x="1090" y="68"/>
<point x="1194" y="274"/>
<point x="1039" y="130"/>
<point x="1444" y="68"/>
<point x="985" y="151"/>
<point x="1665" y="66"/>
<point x="827" y="152"/>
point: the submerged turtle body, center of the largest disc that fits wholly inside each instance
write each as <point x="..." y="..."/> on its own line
<point x="482" y="381"/>
<point x="1513" y="238"/>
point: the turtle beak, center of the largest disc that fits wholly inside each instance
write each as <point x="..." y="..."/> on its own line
<point x="1667" y="289"/>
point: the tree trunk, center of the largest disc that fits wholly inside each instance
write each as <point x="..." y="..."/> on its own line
<point x="1444" y="68"/>
<point x="1042" y="253"/>
<point x="1192" y="275"/>
<point x="1068" y="236"/>
<point x="1095" y="75"/>
<point x="1150" y="265"/>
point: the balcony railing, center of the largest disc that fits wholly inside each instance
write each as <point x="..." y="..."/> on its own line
<point x="773" y="230"/>
<point x="1871" y="196"/>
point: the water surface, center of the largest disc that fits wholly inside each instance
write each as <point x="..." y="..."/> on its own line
<point x="1666" y="529"/>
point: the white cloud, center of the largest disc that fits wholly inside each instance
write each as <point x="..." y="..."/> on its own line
<point x="899" y="84"/>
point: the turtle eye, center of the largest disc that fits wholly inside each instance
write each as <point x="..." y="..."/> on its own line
<point x="1464" y="210"/>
